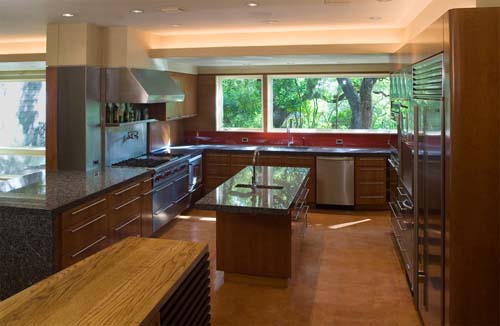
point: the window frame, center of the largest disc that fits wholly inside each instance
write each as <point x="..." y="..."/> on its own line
<point x="219" y="105"/>
<point x="270" y="128"/>
<point x="23" y="76"/>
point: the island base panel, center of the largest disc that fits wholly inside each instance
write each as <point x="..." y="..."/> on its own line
<point x="256" y="280"/>
<point x="257" y="245"/>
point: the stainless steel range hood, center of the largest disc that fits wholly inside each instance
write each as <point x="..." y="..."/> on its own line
<point x="129" y="85"/>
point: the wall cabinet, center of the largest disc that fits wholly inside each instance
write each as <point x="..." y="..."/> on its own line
<point x="371" y="182"/>
<point x="179" y="110"/>
<point x="100" y="222"/>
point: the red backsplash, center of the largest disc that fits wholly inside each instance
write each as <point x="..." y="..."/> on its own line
<point x="261" y="138"/>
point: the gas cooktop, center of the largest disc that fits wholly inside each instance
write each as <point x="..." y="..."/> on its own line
<point x="152" y="160"/>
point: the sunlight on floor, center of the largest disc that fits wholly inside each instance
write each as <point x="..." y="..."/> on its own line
<point x="197" y="218"/>
<point x="343" y="225"/>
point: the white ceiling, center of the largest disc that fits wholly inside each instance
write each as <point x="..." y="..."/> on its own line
<point x="23" y="19"/>
<point x="283" y="60"/>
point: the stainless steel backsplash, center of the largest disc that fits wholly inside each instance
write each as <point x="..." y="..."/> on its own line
<point x="125" y="142"/>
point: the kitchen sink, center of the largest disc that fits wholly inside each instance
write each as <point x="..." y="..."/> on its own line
<point x="241" y="185"/>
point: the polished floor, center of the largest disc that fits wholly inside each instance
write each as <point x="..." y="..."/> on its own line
<point x="347" y="274"/>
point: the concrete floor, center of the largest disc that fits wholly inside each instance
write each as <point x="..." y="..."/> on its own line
<point x="346" y="275"/>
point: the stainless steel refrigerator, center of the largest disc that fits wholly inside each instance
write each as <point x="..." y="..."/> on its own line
<point x="428" y="104"/>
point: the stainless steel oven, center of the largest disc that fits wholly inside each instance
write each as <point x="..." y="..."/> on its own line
<point x="195" y="177"/>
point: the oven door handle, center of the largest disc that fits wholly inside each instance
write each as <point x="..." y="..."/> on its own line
<point x="164" y="187"/>
<point x="178" y="201"/>
<point x="164" y="209"/>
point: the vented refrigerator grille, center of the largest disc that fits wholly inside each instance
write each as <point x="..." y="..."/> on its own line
<point x="428" y="78"/>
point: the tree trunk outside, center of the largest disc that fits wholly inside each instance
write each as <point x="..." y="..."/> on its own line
<point x="353" y="99"/>
<point x="365" y="95"/>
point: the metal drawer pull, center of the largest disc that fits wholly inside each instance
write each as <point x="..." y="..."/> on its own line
<point x="400" y="227"/>
<point x="129" y="222"/>
<point x="164" y="187"/>
<point x="371" y="169"/>
<point x="88" y="247"/>
<point x="89" y="206"/>
<point x="126" y="189"/>
<point x="164" y="209"/>
<point x="88" y="223"/>
<point x="127" y="203"/>
<point x="148" y="180"/>
<point x="371" y="159"/>
<point x="403" y="205"/>
<point x="148" y="193"/>
<point x="372" y="183"/>
<point x="179" y="179"/>
<point x="371" y="197"/>
<point x="181" y="199"/>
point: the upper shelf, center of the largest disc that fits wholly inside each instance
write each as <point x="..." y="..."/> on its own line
<point x="111" y="125"/>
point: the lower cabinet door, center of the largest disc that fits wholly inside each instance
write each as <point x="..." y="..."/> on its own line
<point x="87" y="250"/>
<point x="129" y="228"/>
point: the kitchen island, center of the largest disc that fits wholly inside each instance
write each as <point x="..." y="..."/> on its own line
<point x="47" y="219"/>
<point x="256" y="226"/>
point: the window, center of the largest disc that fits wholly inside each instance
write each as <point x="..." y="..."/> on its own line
<point x="328" y="103"/>
<point x="22" y="122"/>
<point x="239" y="103"/>
<point x="22" y="107"/>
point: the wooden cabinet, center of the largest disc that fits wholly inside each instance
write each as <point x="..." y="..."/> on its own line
<point x="179" y="110"/>
<point x="102" y="221"/>
<point x="216" y="169"/>
<point x="371" y="182"/>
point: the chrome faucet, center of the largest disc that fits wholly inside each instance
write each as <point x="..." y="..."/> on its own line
<point x="256" y="156"/>
<point x="288" y="127"/>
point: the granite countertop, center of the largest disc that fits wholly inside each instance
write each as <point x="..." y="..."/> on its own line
<point x="313" y="150"/>
<point x="55" y="191"/>
<point x="229" y="198"/>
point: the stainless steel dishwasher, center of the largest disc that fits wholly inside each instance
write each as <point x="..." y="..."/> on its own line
<point x="335" y="180"/>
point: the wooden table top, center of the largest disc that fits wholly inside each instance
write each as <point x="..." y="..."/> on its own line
<point x="125" y="284"/>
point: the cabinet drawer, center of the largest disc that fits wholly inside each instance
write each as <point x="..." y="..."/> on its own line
<point x="90" y="249"/>
<point x="79" y="236"/>
<point x="125" y="193"/>
<point x="79" y="214"/>
<point x="129" y="228"/>
<point x="370" y="193"/>
<point x="146" y="185"/>
<point x="121" y="213"/>
<point x="270" y="160"/>
<point x="241" y="159"/>
<point x="216" y="158"/>
<point x="305" y="161"/>
<point x="366" y="174"/>
<point x="235" y="168"/>
<point x="213" y="182"/>
<point x="218" y="170"/>
<point x="372" y="161"/>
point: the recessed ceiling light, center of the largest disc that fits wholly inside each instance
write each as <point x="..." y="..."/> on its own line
<point x="68" y="14"/>
<point x="271" y="21"/>
<point x="375" y="18"/>
<point x="176" y="25"/>
<point x="252" y="4"/>
<point x="172" y="10"/>
<point x="136" y="11"/>
<point x="384" y="0"/>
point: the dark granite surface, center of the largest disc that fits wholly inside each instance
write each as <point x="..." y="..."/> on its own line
<point x="27" y="248"/>
<point x="229" y="198"/>
<point x="313" y="150"/>
<point x="63" y="189"/>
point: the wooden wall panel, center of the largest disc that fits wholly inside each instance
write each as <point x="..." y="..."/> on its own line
<point x="472" y="175"/>
<point x="51" y="131"/>
<point x="205" y="121"/>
